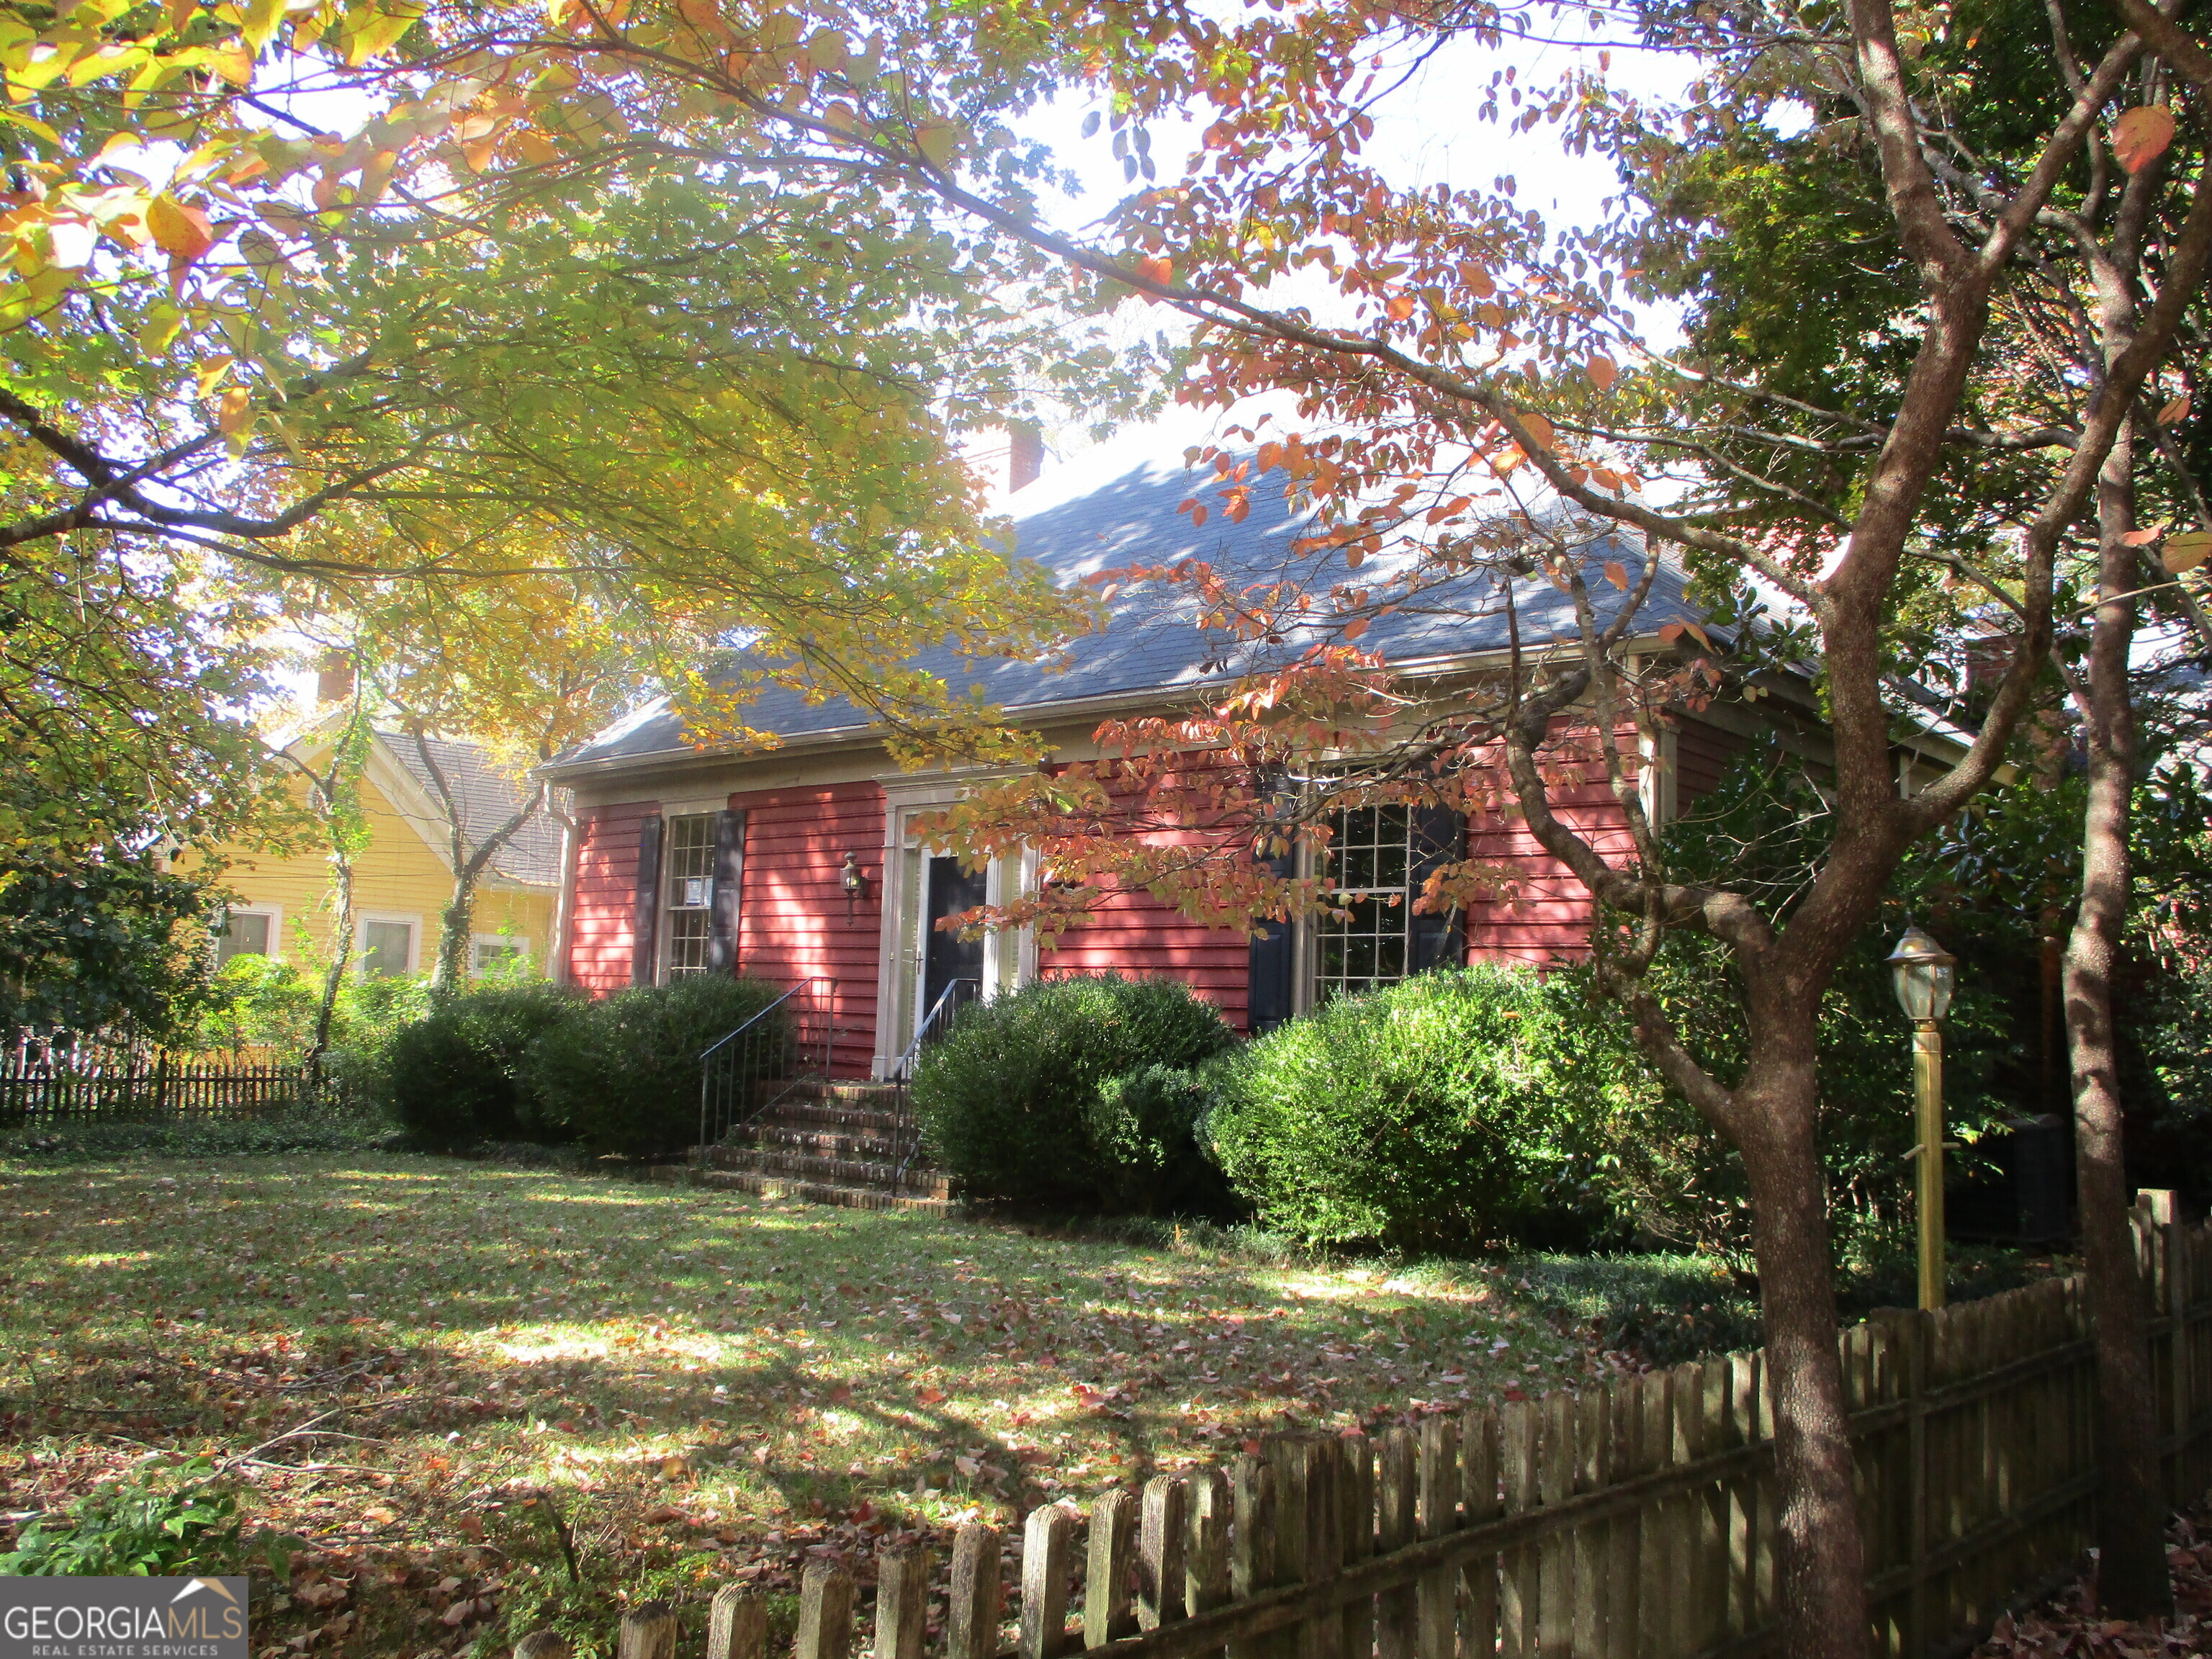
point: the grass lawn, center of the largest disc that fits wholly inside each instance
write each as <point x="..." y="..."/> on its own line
<point x="394" y="1353"/>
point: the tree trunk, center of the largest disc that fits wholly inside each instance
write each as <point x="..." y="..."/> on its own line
<point x="1822" y="1559"/>
<point x="457" y="924"/>
<point x="2132" y="1582"/>
<point x="341" y="954"/>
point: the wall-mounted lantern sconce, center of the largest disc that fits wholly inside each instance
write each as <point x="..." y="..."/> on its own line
<point x="854" y="881"/>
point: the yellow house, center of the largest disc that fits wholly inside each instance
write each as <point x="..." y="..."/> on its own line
<point x="404" y="880"/>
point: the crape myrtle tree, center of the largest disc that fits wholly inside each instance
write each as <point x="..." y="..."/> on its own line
<point x="1441" y="336"/>
<point x="1742" y="221"/>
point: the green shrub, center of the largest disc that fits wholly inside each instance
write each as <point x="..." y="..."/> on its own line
<point x="463" y="1074"/>
<point x="1420" y="1115"/>
<point x="135" y="1530"/>
<point x="1073" y="1091"/>
<point x="622" y="1075"/>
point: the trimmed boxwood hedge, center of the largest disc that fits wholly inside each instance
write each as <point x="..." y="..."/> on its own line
<point x="1423" y="1115"/>
<point x="1080" y="1090"/>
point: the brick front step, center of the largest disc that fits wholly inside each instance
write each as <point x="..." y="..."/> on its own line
<point x="848" y="1093"/>
<point x="879" y="1146"/>
<point x="829" y="1120"/>
<point x="921" y="1182"/>
<point x="814" y="1192"/>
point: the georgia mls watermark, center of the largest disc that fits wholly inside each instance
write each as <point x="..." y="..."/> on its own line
<point x="123" y="1619"/>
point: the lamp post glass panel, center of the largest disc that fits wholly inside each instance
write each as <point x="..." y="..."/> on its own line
<point x="1923" y="970"/>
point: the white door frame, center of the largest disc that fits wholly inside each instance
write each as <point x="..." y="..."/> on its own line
<point x="1008" y="961"/>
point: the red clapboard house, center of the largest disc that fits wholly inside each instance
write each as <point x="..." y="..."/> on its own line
<point x="801" y="863"/>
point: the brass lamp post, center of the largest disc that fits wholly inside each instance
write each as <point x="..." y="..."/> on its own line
<point x="1922" y="969"/>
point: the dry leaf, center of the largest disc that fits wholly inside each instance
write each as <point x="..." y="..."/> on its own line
<point x="2185" y="550"/>
<point x="2141" y="135"/>
<point x="2178" y="410"/>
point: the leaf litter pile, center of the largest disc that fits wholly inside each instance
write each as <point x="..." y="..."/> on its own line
<point x="482" y="1398"/>
<point x="2067" y="1626"/>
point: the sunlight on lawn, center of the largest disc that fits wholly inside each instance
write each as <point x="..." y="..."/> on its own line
<point x="693" y="1371"/>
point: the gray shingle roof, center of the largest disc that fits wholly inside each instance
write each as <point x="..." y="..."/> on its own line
<point x="1107" y="511"/>
<point x="488" y="797"/>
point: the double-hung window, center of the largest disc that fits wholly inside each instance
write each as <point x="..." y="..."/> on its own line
<point x="246" y="933"/>
<point x="687" y="874"/>
<point x="1365" y="941"/>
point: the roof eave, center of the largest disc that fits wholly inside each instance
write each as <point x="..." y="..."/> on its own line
<point x="691" y="758"/>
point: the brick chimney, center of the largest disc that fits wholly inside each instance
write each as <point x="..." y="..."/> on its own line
<point x="1025" y="454"/>
<point x="334" y="678"/>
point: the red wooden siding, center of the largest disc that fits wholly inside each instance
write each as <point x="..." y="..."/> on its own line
<point x="1702" y="753"/>
<point x="1544" y="914"/>
<point x="1136" y="934"/>
<point x="791" y="908"/>
<point x="1547" y="917"/>
<point x="601" y="930"/>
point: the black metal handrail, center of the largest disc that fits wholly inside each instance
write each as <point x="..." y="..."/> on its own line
<point x="788" y="1042"/>
<point x="956" y="996"/>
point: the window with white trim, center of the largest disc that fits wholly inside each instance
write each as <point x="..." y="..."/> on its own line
<point x="487" y="950"/>
<point x="387" y="948"/>
<point x="1370" y="863"/>
<point x="687" y="869"/>
<point x="245" y="933"/>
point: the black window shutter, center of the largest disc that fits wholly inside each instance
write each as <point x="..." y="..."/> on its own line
<point x="1439" y="838"/>
<point x="1271" y="992"/>
<point x="729" y="871"/>
<point x="645" y="926"/>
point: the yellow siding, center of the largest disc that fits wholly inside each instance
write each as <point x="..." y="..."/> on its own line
<point x="397" y="877"/>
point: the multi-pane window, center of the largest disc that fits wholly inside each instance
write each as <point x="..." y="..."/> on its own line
<point x="245" y="934"/>
<point x="387" y="949"/>
<point x="486" y="953"/>
<point x="687" y="862"/>
<point x="1369" y="865"/>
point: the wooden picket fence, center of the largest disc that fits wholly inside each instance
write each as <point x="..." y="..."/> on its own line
<point x="42" y="1092"/>
<point x="1633" y="1521"/>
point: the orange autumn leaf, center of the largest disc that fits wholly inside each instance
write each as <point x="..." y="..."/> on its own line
<point x="2141" y="135"/>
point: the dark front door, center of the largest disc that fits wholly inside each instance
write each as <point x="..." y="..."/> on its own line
<point x="946" y="956"/>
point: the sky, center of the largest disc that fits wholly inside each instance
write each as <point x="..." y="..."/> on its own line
<point x="1426" y="132"/>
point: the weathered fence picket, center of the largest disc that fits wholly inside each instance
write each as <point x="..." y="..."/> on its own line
<point x="139" y="1086"/>
<point x="1635" y="1520"/>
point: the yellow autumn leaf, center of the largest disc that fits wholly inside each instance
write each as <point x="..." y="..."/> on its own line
<point x="235" y="411"/>
<point x="261" y="17"/>
<point x="379" y="30"/>
<point x="178" y="229"/>
<point x="1540" y="429"/>
<point x="234" y="62"/>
